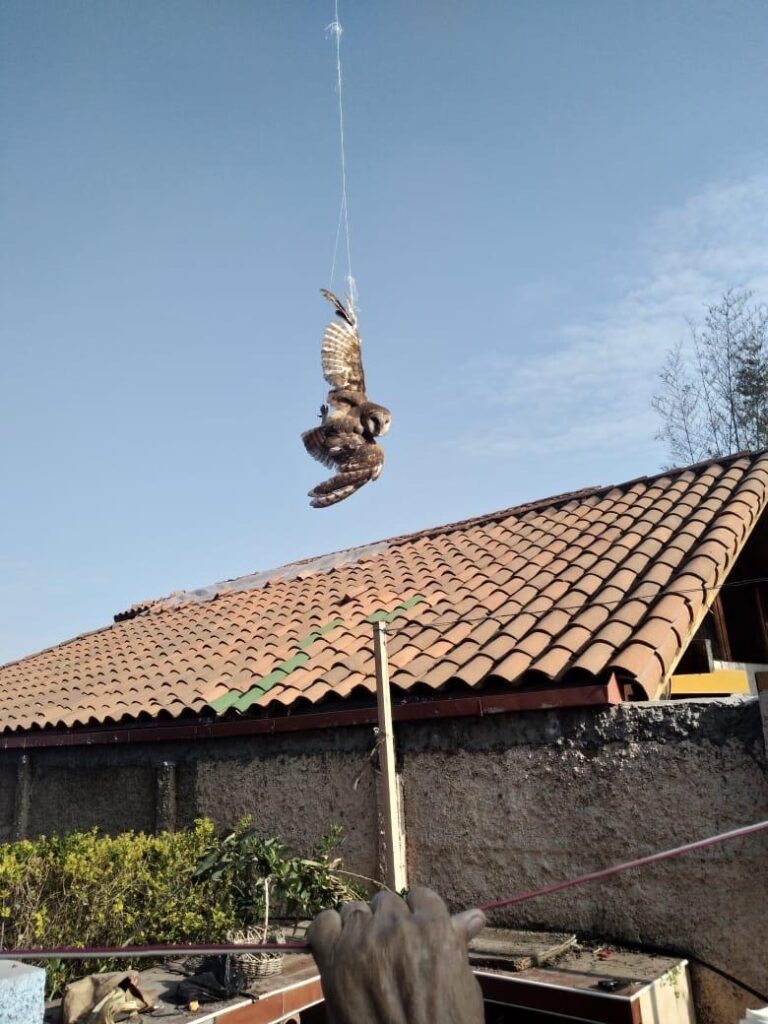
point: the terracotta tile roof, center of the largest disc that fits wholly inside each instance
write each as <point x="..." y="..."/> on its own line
<point x="571" y="589"/>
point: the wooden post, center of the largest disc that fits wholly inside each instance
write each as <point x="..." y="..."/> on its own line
<point x="394" y="836"/>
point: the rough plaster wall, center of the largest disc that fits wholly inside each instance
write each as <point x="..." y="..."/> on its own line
<point x="78" y="788"/>
<point x="297" y="794"/>
<point x="83" y="792"/>
<point x="528" y="801"/>
<point x="492" y="806"/>
<point x="293" y="786"/>
<point x="718" y="1001"/>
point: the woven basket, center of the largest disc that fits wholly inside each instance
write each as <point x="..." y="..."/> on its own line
<point x="253" y="966"/>
<point x="192" y="964"/>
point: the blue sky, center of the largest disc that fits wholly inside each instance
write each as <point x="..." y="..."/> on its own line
<point x="540" y="194"/>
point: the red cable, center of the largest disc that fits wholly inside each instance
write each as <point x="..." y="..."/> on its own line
<point x="93" y="952"/>
<point x="70" y="953"/>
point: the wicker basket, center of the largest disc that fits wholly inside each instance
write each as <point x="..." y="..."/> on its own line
<point x="253" y="966"/>
<point x="192" y="964"/>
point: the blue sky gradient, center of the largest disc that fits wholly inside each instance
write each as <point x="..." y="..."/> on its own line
<point x="540" y="194"/>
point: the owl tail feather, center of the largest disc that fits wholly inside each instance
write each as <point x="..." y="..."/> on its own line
<point x="339" y="487"/>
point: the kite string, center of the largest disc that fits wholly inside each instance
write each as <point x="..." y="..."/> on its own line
<point x="336" y="29"/>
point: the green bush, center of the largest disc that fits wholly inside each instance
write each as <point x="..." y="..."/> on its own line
<point x="86" y="889"/>
<point x="245" y="863"/>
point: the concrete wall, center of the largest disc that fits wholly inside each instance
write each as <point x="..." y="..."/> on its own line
<point x="492" y="811"/>
<point x="293" y="785"/>
<point x="492" y="806"/>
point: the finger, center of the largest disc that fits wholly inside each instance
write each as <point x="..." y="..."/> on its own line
<point x="387" y="904"/>
<point x="425" y="901"/>
<point x="349" y="911"/>
<point x="323" y="934"/>
<point x="468" y="923"/>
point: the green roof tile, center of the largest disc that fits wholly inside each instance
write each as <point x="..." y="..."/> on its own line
<point x="241" y="701"/>
<point x="316" y="634"/>
<point x="222" y="704"/>
<point x="245" y="700"/>
<point x="389" y="616"/>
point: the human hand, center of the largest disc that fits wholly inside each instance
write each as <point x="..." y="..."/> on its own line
<point x="397" y="961"/>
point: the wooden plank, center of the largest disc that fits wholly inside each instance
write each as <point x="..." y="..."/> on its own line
<point x="396" y="877"/>
<point x="721" y="682"/>
<point x="518" y="950"/>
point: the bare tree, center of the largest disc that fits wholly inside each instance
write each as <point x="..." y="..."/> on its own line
<point x="714" y="390"/>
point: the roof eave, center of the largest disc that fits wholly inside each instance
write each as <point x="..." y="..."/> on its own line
<point x="589" y="694"/>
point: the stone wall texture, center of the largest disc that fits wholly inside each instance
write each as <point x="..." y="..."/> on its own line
<point x="492" y="806"/>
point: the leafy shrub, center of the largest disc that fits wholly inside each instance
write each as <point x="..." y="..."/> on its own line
<point x="298" y="886"/>
<point x="86" y="889"/>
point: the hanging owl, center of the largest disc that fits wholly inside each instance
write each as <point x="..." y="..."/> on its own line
<point x="345" y="441"/>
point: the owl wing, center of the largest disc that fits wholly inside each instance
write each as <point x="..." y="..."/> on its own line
<point x="331" y="447"/>
<point x="316" y="443"/>
<point x="357" y="465"/>
<point x="342" y="357"/>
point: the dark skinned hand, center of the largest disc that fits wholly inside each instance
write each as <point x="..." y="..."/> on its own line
<point x="397" y="961"/>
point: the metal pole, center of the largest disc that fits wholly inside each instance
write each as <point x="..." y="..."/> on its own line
<point x="393" y="833"/>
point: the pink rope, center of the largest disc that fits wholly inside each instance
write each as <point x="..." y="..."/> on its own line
<point x="71" y="953"/>
<point x="204" y="949"/>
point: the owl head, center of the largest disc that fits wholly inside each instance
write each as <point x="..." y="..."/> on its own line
<point x="376" y="419"/>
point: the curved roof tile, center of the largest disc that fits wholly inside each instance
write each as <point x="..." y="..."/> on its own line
<point x="600" y="581"/>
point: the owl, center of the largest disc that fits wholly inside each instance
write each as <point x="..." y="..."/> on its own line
<point x="345" y="440"/>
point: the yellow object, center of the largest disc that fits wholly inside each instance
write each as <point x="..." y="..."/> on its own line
<point x="711" y="684"/>
<point x="194" y="1005"/>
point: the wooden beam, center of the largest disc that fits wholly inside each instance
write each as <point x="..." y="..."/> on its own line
<point x="721" y="629"/>
<point x="394" y="836"/>
<point x="759" y="596"/>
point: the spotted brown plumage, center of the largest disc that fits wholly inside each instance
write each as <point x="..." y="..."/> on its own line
<point x="350" y="423"/>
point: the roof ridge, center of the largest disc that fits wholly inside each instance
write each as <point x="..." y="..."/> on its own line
<point x="553" y="501"/>
<point x="346" y="556"/>
<point x="574" y="561"/>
